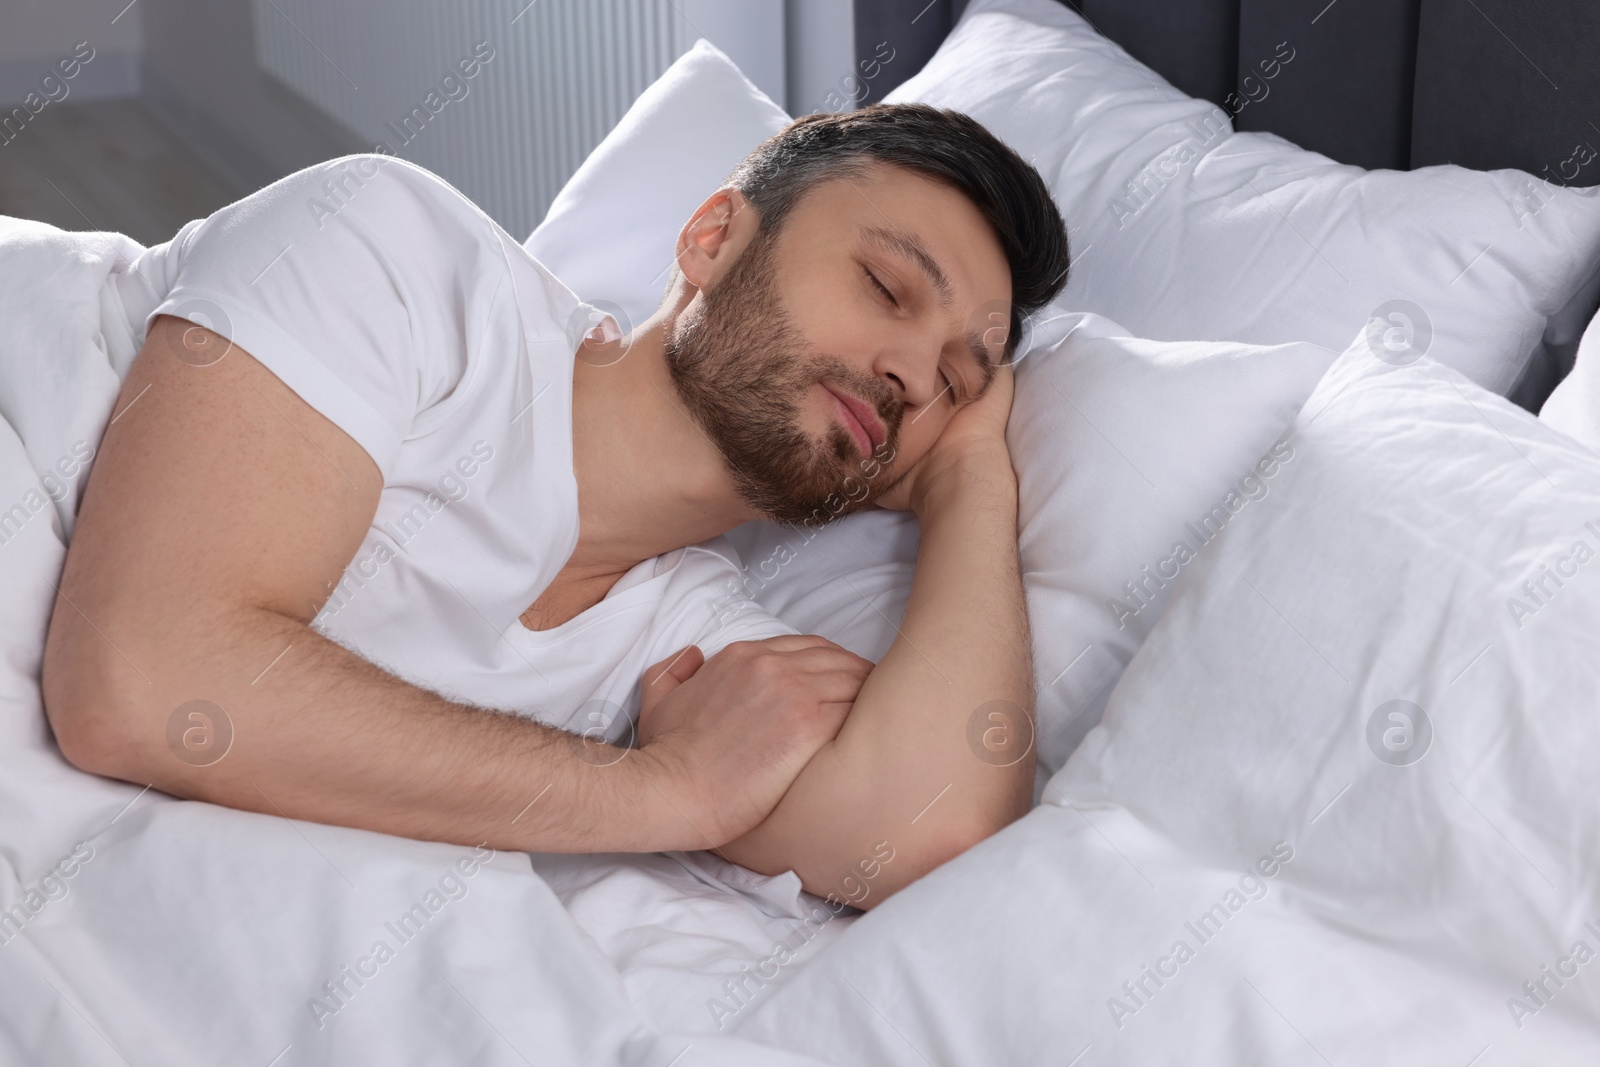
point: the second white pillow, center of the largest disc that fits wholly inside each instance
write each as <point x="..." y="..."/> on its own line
<point x="1182" y="228"/>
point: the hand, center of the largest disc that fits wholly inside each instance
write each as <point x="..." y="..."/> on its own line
<point x="976" y="430"/>
<point x="724" y="738"/>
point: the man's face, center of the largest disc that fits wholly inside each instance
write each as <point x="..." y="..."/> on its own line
<point x="887" y="290"/>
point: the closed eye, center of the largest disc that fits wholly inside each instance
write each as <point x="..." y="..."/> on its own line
<point x="884" y="289"/>
<point x="873" y="278"/>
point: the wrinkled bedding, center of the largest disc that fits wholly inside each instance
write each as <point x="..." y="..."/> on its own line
<point x="1333" y="906"/>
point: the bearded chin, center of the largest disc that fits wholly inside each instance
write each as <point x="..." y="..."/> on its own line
<point x="740" y="368"/>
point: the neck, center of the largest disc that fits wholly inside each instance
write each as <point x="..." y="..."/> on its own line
<point x="649" y="479"/>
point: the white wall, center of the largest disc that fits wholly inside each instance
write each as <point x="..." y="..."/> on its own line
<point x="750" y="32"/>
<point x="36" y="34"/>
<point x="560" y="73"/>
<point x="821" y="53"/>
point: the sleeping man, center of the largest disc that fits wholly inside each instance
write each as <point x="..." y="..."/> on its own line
<point x="376" y="538"/>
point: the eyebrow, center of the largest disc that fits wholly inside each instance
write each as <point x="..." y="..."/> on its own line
<point x="908" y="246"/>
<point x="904" y="244"/>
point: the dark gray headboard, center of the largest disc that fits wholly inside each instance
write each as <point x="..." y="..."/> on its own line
<point x="1377" y="83"/>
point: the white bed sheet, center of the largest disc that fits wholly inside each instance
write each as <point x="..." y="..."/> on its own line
<point x="193" y="934"/>
<point x="698" y="942"/>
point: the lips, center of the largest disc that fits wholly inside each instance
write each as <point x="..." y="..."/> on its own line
<point x="860" y="419"/>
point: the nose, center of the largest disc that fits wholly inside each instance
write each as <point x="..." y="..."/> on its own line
<point x="911" y="369"/>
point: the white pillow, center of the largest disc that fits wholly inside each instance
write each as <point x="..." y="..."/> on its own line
<point x="1244" y="236"/>
<point x="1124" y="449"/>
<point x="1574" y="406"/>
<point x="1391" y="665"/>
<point x="1131" y="455"/>
<point x="611" y="232"/>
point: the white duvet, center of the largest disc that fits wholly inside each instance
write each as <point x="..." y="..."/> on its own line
<point x="141" y="929"/>
<point x="1237" y="867"/>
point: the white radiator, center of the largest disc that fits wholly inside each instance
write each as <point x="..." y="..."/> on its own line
<point x="547" y="80"/>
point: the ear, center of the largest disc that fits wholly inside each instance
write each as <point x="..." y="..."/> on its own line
<point x="711" y="241"/>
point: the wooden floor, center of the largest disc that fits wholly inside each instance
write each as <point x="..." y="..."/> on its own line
<point x="106" y="165"/>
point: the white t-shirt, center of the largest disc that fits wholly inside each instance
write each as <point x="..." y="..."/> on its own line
<point x="396" y="308"/>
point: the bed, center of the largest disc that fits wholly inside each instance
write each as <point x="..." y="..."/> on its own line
<point x="1312" y="589"/>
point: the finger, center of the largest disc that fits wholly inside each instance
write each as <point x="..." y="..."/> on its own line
<point x="831" y="657"/>
<point x="792" y="642"/>
<point x="665" y="675"/>
<point x="834" y="713"/>
<point x="1001" y="388"/>
<point x="834" y="716"/>
<point x="835" y="687"/>
<point x="896" y="496"/>
<point x="817" y="641"/>
<point x="1006" y="380"/>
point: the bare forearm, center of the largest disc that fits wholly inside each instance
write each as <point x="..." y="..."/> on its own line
<point x="320" y="734"/>
<point x="902" y="777"/>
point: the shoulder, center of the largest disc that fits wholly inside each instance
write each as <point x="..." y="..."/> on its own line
<point x="371" y="182"/>
<point x="394" y="208"/>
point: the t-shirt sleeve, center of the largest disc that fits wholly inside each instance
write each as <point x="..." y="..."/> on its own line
<point x="702" y="604"/>
<point x="360" y="282"/>
<point x="749" y="622"/>
<point x="707" y="604"/>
